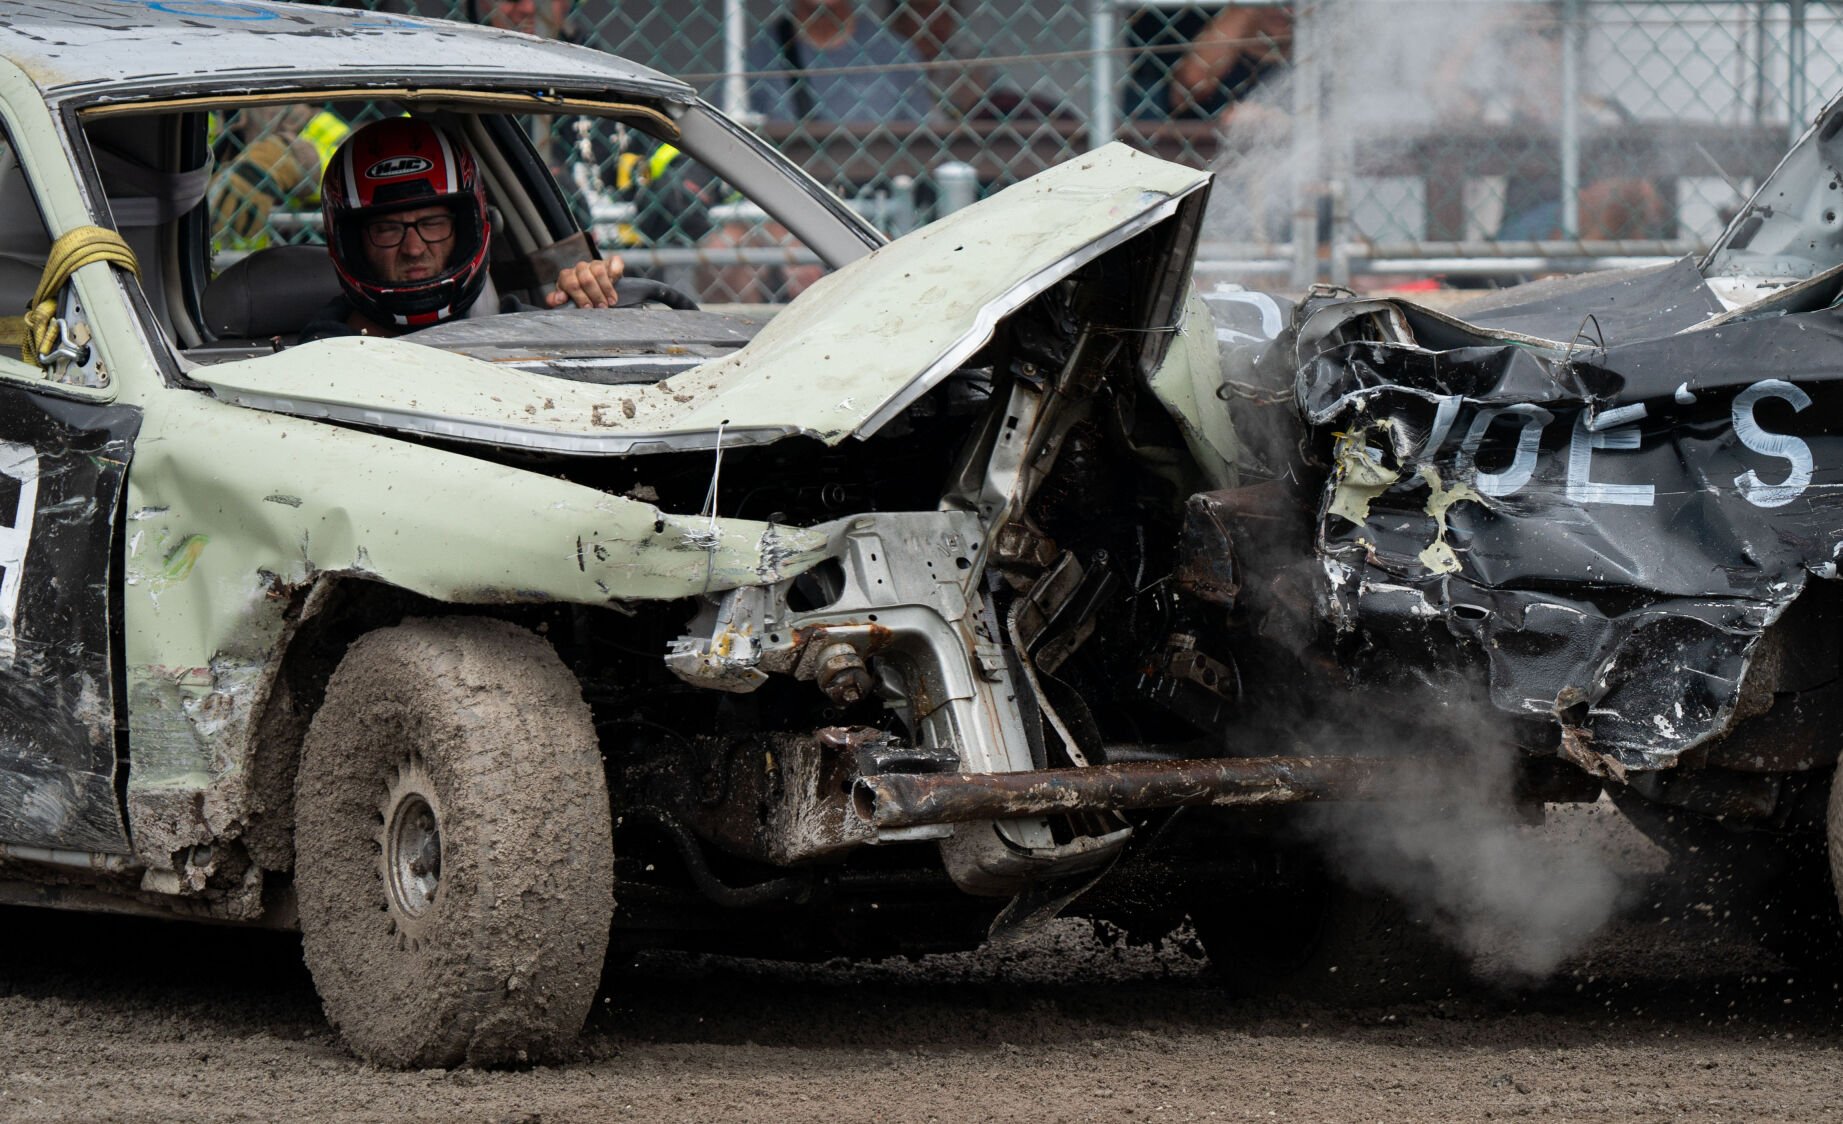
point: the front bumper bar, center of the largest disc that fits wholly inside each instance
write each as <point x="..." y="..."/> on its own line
<point x="896" y="800"/>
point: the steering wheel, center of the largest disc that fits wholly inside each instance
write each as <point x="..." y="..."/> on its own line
<point x="631" y="291"/>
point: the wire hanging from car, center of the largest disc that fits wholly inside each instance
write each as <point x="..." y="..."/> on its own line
<point x="710" y="537"/>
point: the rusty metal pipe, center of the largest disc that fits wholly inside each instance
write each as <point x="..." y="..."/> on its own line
<point x="893" y="800"/>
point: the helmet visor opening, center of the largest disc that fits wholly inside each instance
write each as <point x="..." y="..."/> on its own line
<point x="385" y="232"/>
<point x="409" y="245"/>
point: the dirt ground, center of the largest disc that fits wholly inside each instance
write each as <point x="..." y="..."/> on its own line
<point x="1668" y="1015"/>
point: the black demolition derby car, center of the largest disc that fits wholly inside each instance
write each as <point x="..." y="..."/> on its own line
<point x="992" y="579"/>
<point x="1600" y="512"/>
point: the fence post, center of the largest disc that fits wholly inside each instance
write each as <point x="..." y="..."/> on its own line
<point x="956" y="185"/>
<point x="1340" y="146"/>
<point x="1796" y="44"/>
<point x="900" y="217"/>
<point x="1572" y="31"/>
<point x="1307" y="180"/>
<point x="735" y="49"/>
<point x="1102" y="40"/>
<point x="1759" y="60"/>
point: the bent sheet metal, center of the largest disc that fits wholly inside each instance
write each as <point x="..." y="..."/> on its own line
<point x="1602" y="490"/>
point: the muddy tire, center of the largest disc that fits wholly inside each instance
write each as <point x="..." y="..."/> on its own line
<point x="453" y="853"/>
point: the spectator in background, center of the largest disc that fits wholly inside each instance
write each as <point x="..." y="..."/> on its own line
<point x="1228" y="67"/>
<point x="1507" y="72"/>
<point x="577" y="150"/>
<point x="1228" y="56"/>
<point x="932" y="28"/>
<point x="964" y="87"/>
<point x="929" y="25"/>
<point x="522" y="15"/>
<point x="823" y="60"/>
<point x="271" y="157"/>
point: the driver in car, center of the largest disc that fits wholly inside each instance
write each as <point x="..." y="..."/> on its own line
<point x="407" y="227"/>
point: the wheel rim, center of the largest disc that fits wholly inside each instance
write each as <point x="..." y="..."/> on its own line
<point x="410" y="847"/>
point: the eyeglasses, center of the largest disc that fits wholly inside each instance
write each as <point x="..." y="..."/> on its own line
<point x="386" y="233"/>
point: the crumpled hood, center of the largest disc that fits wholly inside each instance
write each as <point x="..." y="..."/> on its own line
<point x="841" y="360"/>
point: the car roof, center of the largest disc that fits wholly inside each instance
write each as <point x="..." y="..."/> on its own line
<point x="73" y="48"/>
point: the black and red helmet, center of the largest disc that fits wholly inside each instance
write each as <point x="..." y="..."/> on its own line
<point x="401" y="164"/>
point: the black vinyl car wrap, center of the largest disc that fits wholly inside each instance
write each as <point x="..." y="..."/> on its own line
<point x="1597" y="494"/>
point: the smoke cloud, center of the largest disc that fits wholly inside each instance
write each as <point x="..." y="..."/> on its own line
<point x="1515" y="900"/>
<point x="1393" y="71"/>
<point x="1447" y="840"/>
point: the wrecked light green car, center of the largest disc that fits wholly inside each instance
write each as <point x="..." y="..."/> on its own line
<point x="850" y="632"/>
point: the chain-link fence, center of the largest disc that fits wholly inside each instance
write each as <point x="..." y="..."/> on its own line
<point x="1374" y="139"/>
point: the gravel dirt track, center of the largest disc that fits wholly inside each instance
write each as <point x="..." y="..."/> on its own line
<point x="1667" y="1015"/>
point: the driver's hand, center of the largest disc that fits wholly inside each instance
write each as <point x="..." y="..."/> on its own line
<point x="587" y="284"/>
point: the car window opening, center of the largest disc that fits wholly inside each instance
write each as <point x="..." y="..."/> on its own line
<point x="234" y="250"/>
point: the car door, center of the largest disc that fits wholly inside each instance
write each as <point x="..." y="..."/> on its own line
<point x="64" y="450"/>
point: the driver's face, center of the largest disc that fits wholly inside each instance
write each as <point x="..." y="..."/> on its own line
<point x="415" y="258"/>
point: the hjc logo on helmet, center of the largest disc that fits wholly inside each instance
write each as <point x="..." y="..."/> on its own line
<point x="397" y="166"/>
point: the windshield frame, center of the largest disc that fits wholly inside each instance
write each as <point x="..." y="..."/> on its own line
<point x="834" y="232"/>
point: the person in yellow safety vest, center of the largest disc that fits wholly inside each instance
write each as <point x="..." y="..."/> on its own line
<point x="656" y="164"/>
<point x="634" y="173"/>
<point x="669" y="201"/>
<point x="327" y="131"/>
<point x="280" y="162"/>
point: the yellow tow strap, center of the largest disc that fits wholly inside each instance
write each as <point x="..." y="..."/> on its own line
<point x="36" y="333"/>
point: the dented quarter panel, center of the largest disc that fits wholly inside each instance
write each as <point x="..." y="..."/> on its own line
<point x="850" y="353"/>
<point x="229" y="510"/>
